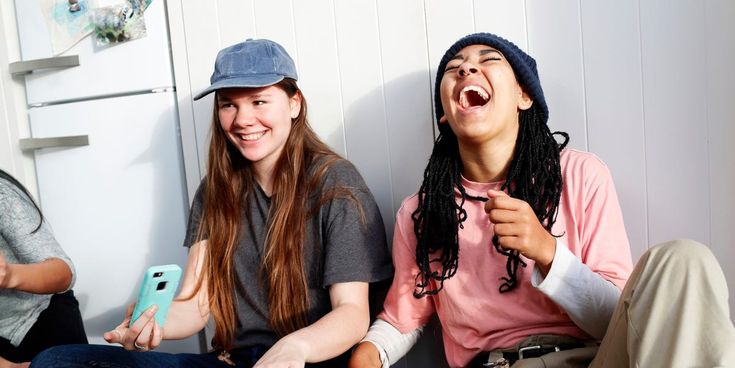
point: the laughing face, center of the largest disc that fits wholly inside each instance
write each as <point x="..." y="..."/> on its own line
<point x="481" y="97"/>
<point x="257" y="121"/>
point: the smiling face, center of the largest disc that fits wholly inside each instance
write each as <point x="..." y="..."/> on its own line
<point x="257" y="121"/>
<point x="481" y="97"/>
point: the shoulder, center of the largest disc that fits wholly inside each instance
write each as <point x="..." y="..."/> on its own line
<point x="572" y="159"/>
<point x="335" y="171"/>
<point x="12" y="195"/>
<point x="582" y="165"/>
<point x="584" y="172"/>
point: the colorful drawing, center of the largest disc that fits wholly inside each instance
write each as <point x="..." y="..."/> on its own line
<point x="67" y="22"/>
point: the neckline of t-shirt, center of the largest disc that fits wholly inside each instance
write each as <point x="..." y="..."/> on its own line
<point x="479" y="189"/>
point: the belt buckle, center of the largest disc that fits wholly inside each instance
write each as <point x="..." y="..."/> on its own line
<point x="531" y="348"/>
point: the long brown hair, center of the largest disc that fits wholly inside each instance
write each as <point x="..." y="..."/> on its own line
<point x="229" y="185"/>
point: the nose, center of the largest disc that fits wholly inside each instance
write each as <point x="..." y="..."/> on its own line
<point x="466" y="69"/>
<point x="244" y="117"/>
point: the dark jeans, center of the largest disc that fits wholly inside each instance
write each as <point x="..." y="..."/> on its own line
<point x="60" y="323"/>
<point x="105" y="356"/>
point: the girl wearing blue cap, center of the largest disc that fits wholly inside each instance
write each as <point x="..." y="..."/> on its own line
<point x="518" y="244"/>
<point x="284" y="237"/>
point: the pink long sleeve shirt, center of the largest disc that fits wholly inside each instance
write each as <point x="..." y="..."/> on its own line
<point x="474" y="315"/>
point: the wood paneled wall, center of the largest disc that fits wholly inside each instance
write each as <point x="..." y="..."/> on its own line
<point x="645" y="85"/>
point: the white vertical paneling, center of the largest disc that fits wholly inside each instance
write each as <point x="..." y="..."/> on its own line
<point x="235" y="21"/>
<point x="407" y="91"/>
<point x="193" y="61"/>
<point x="720" y="36"/>
<point x="319" y="74"/>
<point x="506" y="19"/>
<point x="554" y="40"/>
<point x="366" y="136"/>
<point x="446" y="22"/>
<point x="674" y="79"/>
<point x="612" y="67"/>
<point x="274" y="21"/>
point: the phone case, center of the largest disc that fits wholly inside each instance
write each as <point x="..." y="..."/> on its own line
<point x="159" y="288"/>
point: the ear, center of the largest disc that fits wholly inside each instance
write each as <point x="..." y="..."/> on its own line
<point x="524" y="101"/>
<point x="443" y="119"/>
<point x="294" y="103"/>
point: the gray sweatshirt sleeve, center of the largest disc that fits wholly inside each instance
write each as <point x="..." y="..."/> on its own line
<point x="20" y="244"/>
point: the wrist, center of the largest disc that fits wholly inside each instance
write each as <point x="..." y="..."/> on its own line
<point x="547" y="257"/>
<point x="301" y="345"/>
<point x="12" y="277"/>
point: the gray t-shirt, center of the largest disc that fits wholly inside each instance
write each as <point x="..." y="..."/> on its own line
<point x="20" y="245"/>
<point x="339" y="248"/>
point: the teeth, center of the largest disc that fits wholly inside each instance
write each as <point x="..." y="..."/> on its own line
<point x="251" y="136"/>
<point x="463" y="95"/>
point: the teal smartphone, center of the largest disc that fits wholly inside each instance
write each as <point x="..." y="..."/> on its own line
<point x="159" y="288"/>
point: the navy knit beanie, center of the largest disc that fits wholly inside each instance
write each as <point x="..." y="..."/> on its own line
<point x="524" y="67"/>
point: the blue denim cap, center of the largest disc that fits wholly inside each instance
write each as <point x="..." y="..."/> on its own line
<point x="253" y="63"/>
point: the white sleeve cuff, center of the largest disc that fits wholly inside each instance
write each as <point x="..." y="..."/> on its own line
<point x="587" y="297"/>
<point x="392" y="345"/>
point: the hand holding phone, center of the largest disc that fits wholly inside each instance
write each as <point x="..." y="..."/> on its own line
<point x="158" y="288"/>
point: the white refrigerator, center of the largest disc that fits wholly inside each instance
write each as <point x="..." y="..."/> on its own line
<point x="108" y="159"/>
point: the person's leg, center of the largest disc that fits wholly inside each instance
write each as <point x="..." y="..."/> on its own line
<point x="673" y="312"/>
<point x="59" y="324"/>
<point x="103" y="356"/>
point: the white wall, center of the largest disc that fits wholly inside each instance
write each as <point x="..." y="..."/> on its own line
<point x="13" y="117"/>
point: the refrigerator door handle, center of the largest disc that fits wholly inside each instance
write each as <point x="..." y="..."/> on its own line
<point x="30" y="144"/>
<point x="29" y="66"/>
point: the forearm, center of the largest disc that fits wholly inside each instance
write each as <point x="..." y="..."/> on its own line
<point x="185" y="318"/>
<point x="587" y="297"/>
<point x="47" y="277"/>
<point x="189" y="312"/>
<point x="333" y="334"/>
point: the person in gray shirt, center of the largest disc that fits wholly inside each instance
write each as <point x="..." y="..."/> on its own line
<point x="285" y="238"/>
<point x="37" y="306"/>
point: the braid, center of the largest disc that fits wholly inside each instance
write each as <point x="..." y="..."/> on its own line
<point x="534" y="176"/>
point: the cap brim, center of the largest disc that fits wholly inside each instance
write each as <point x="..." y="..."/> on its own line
<point x="241" y="82"/>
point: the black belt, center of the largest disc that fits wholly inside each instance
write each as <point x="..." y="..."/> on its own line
<point x="533" y="351"/>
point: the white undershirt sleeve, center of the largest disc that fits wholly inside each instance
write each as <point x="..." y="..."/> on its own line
<point x="391" y="343"/>
<point x="587" y="297"/>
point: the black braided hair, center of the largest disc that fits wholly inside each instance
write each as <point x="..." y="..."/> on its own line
<point x="534" y="176"/>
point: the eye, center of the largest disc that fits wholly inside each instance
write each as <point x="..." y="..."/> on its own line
<point x="492" y="58"/>
<point x="451" y="67"/>
<point x="224" y="105"/>
<point x="259" y="102"/>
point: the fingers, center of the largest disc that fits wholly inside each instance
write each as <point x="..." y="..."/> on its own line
<point x="143" y="340"/>
<point x="139" y="334"/>
<point x="114" y="337"/>
<point x="499" y="216"/>
<point x="501" y="200"/>
<point x="157" y="336"/>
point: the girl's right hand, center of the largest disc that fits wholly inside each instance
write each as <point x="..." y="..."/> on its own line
<point x="145" y="334"/>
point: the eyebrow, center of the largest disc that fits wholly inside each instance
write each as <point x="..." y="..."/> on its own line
<point x="482" y="52"/>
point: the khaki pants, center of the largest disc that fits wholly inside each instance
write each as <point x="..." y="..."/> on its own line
<point x="673" y="312"/>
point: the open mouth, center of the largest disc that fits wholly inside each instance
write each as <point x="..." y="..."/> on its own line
<point x="472" y="96"/>
<point x="252" y="136"/>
